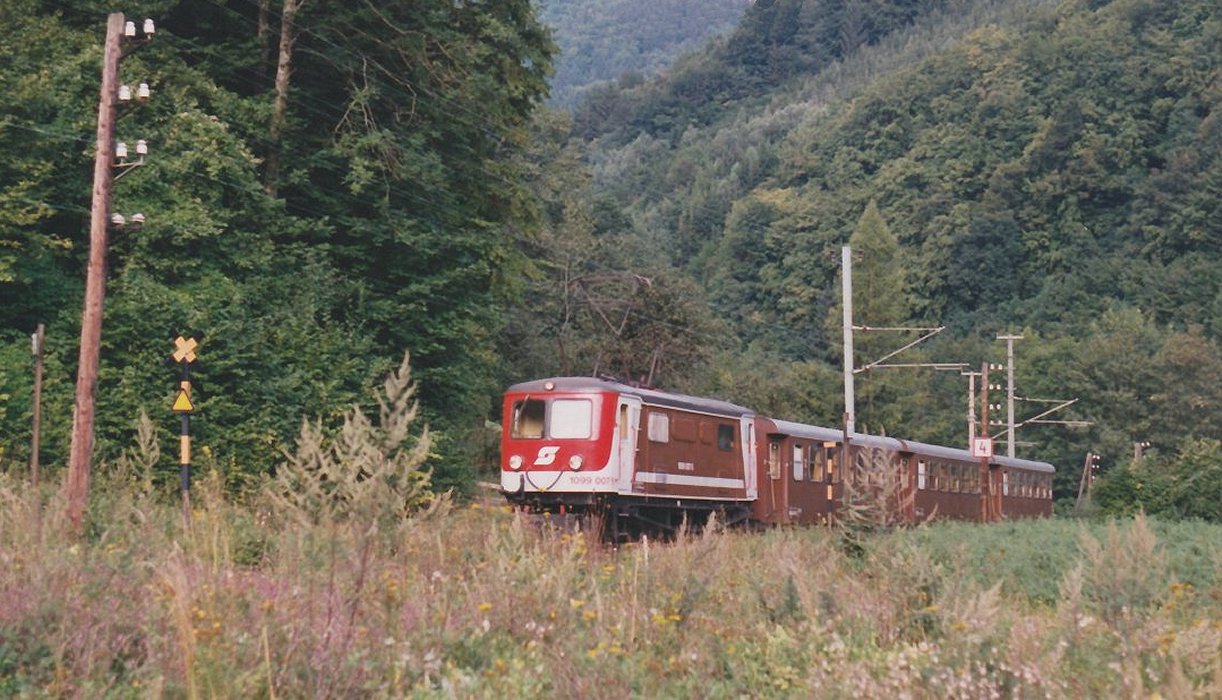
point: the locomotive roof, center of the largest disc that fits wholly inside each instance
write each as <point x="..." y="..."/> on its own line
<point x="650" y="396"/>
<point x="814" y="432"/>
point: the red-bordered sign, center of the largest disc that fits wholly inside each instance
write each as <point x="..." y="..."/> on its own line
<point x="982" y="448"/>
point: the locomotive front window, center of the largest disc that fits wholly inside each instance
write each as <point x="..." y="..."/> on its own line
<point x="528" y="418"/>
<point x="571" y="418"/>
<point x="563" y="419"/>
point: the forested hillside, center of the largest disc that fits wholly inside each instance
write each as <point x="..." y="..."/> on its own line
<point x="1048" y="168"/>
<point x="627" y="40"/>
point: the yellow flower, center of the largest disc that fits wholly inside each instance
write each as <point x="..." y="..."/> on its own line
<point x="485" y="607"/>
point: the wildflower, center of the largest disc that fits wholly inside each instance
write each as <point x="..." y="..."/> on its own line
<point x="485" y="607"/>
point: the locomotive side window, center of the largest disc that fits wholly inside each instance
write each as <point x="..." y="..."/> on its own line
<point x="528" y="418"/>
<point x="725" y="437"/>
<point x="659" y="427"/>
<point x="571" y="419"/>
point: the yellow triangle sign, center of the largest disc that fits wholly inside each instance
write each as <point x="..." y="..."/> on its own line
<point x="183" y="404"/>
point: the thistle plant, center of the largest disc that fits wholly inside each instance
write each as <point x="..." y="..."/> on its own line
<point x="364" y="475"/>
<point x="876" y="497"/>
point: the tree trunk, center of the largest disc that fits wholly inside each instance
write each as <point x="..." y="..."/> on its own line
<point x="284" y="67"/>
<point x="264" y="28"/>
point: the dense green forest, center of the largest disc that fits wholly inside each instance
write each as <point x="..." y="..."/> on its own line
<point x="627" y="40"/>
<point x="376" y="214"/>
<point x="1051" y="169"/>
<point x="1048" y="168"/>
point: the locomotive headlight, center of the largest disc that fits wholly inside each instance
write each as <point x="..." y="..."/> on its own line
<point x="575" y="462"/>
<point x="515" y="462"/>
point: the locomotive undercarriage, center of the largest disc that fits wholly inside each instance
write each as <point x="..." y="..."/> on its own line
<point x="626" y="518"/>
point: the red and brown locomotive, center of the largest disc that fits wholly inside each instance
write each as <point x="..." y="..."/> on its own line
<point x="647" y="460"/>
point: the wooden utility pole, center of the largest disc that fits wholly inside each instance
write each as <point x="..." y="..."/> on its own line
<point x="38" y="338"/>
<point x="95" y="279"/>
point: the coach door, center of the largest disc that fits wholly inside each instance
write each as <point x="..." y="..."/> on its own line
<point x="627" y="428"/>
<point x="807" y="492"/>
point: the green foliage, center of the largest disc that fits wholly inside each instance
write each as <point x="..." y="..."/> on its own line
<point x="1187" y="484"/>
<point x="391" y="226"/>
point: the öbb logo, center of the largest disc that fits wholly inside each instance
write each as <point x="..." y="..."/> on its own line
<point x="547" y="455"/>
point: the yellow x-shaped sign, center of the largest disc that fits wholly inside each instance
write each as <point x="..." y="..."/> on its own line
<point x="184" y="349"/>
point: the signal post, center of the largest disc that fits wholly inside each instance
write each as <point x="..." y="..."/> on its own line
<point x="184" y="355"/>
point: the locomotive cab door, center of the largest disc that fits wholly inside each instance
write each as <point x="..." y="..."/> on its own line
<point x="627" y="430"/>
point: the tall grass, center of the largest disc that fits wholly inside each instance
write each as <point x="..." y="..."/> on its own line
<point x="477" y="602"/>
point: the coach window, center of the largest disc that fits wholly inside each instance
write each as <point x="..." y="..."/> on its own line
<point x="922" y="475"/>
<point x="833" y="465"/>
<point x="659" y="427"/>
<point x="528" y="418"/>
<point x="799" y="462"/>
<point x="774" y="458"/>
<point x="818" y="466"/>
<point x="1005" y="483"/>
<point x="725" y="437"/>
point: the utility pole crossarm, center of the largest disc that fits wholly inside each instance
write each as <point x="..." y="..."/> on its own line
<point x="909" y="365"/>
<point x="929" y="333"/>
<point x="1036" y="418"/>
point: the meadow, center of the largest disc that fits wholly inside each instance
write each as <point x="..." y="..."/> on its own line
<point x="472" y="600"/>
